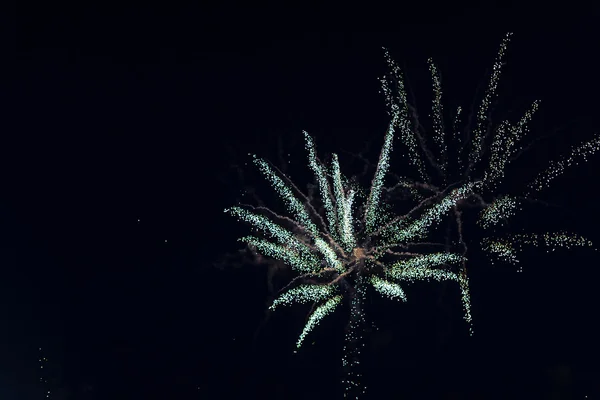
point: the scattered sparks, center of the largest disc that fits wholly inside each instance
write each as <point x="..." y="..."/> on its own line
<point x="504" y="146"/>
<point x="343" y="207"/>
<point x="275" y="231"/>
<point x="490" y="94"/>
<point x="283" y="253"/>
<point x="377" y="184"/>
<point x="507" y="248"/>
<point x="398" y="105"/>
<point x="317" y="316"/>
<point x="321" y="178"/>
<point x="557" y="168"/>
<point x="354" y="343"/>
<point x="438" y="115"/>
<point x="418" y="228"/>
<point x="424" y="262"/>
<point x="387" y="288"/>
<point x="501" y="209"/>
<point x="304" y="294"/>
<point x="295" y="207"/>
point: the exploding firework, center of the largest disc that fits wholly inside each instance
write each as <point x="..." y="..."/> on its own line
<point x="354" y="243"/>
<point x="478" y="152"/>
<point x="347" y="239"/>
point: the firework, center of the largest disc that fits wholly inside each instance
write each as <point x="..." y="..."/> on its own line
<point x="479" y="152"/>
<point x="355" y="243"/>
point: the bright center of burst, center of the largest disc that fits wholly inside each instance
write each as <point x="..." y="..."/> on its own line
<point x="358" y="253"/>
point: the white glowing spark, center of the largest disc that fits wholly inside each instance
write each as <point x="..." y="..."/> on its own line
<point x="317" y="316"/>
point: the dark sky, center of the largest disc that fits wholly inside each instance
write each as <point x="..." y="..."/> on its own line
<point x="132" y="112"/>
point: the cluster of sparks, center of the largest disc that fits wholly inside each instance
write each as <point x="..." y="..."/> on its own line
<point x="507" y="248"/>
<point x="499" y="210"/>
<point x="354" y="343"/>
<point x="349" y="247"/>
<point x="480" y="154"/>
<point x="354" y="242"/>
<point x="557" y="168"/>
<point x="44" y="374"/>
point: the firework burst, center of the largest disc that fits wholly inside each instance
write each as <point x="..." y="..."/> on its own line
<point x="346" y="239"/>
<point x="475" y="151"/>
<point x="354" y="243"/>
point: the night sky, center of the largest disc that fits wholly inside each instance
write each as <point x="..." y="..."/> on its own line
<point x="132" y="124"/>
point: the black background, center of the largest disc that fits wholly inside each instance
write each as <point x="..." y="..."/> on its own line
<point x="136" y="111"/>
